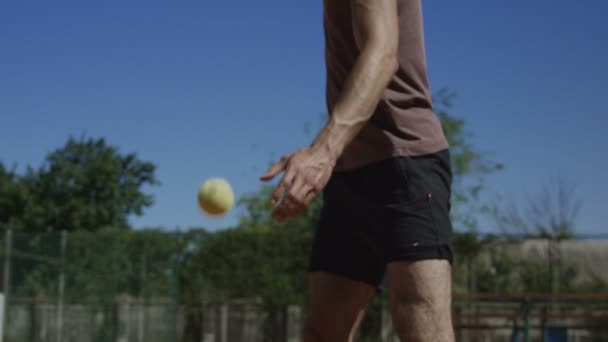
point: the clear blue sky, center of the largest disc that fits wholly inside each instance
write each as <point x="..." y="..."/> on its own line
<point x="208" y="89"/>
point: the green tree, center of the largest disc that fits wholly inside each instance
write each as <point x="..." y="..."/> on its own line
<point x="142" y="264"/>
<point x="264" y="262"/>
<point x="508" y="274"/>
<point x="551" y="212"/>
<point x="242" y="263"/>
<point x="84" y="185"/>
<point x="498" y="276"/>
<point x="468" y="245"/>
<point x="98" y="265"/>
<point x="13" y="196"/>
<point x="469" y="164"/>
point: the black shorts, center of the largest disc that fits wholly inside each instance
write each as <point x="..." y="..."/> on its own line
<point x="393" y="210"/>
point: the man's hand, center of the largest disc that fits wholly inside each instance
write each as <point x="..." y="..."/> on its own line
<point x="307" y="171"/>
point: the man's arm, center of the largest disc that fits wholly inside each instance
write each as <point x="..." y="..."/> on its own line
<point x="376" y="31"/>
<point x="307" y="171"/>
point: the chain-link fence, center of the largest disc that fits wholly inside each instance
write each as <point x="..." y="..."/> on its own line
<point x="135" y="286"/>
<point x="106" y="286"/>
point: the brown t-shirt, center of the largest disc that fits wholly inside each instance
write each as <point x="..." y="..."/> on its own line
<point x="403" y="123"/>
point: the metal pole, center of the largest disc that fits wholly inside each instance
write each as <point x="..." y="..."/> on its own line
<point x="141" y="307"/>
<point x="8" y="242"/>
<point x="6" y="279"/>
<point x="59" y="322"/>
<point x="224" y="323"/>
<point x="526" y="321"/>
<point x="177" y="290"/>
<point x="515" y="334"/>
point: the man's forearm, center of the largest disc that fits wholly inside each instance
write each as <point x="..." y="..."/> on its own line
<point x="364" y="87"/>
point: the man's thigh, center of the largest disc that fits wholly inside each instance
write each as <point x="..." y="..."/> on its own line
<point x="420" y="294"/>
<point x="343" y="272"/>
<point x="428" y="279"/>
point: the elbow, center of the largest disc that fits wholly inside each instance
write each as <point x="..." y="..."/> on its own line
<point x="383" y="57"/>
<point x="390" y="61"/>
<point x="388" y="56"/>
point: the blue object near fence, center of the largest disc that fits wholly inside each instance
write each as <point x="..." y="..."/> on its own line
<point x="556" y="334"/>
<point x="515" y="336"/>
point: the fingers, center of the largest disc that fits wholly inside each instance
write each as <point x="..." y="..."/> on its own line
<point x="297" y="193"/>
<point x="276" y="168"/>
<point x="295" y="201"/>
<point x="288" y="203"/>
<point x="298" y="187"/>
<point x="291" y="203"/>
<point x="284" y="186"/>
<point x="312" y="193"/>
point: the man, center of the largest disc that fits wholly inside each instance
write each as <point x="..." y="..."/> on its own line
<point x="382" y="163"/>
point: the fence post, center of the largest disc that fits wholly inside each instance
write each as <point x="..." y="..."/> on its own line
<point x="123" y="317"/>
<point x="223" y="323"/>
<point x="61" y="287"/>
<point x="141" y="315"/>
<point x="526" y="320"/>
<point x="457" y="322"/>
<point x="293" y="323"/>
<point x="387" y="331"/>
<point x="8" y="242"/>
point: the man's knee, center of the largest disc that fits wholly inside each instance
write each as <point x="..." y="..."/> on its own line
<point x="420" y="301"/>
<point x="414" y="314"/>
<point x="426" y="283"/>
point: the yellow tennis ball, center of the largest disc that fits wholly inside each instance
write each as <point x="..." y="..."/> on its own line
<point x="215" y="196"/>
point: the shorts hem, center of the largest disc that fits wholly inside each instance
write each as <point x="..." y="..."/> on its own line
<point x="442" y="252"/>
<point x="349" y="275"/>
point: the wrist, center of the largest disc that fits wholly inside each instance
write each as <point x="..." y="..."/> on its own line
<point x="330" y="141"/>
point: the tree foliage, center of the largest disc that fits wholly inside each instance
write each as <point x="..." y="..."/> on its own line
<point x="98" y="266"/>
<point x="469" y="164"/>
<point x="13" y="197"/>
<point x="551" y="212"/>
<point x="84" y="185"/>
<point x="506" y="273"/>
